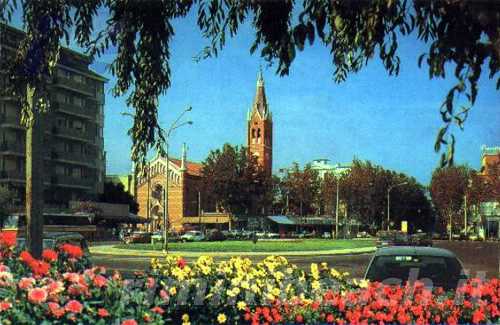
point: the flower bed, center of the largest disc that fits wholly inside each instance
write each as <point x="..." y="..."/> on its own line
<point x="62" y="289"/>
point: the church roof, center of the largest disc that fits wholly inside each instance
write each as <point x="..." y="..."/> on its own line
<point x="260" y="101"/>
<point x="193" y="168"/>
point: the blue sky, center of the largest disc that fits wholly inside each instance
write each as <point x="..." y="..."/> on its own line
<point x="391" y="121"/>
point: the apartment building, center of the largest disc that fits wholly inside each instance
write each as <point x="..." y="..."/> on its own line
<point x="74" y="145"/>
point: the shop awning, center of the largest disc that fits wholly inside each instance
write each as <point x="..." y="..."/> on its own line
<point x="281" y="220"/>
<point x="131" y="218"/>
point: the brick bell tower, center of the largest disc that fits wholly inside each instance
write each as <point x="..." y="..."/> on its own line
<point x="260" y="128"/>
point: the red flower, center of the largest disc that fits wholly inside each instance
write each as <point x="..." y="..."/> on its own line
<point x="129" y="322"/>
<point x="39" y="268"/>
<point x="72" y="250"/>
<point x="56" y="310"/>
<point x="102" y="312"/>
<point x="77" y="290"/>
<point x="330" y="319"/>
<point x="49" y="255"/>
<point x="181" y="263"/>
<point x="8" y="239"/>
<point x="451" y="321"/>
<point x="478" y="316"/>
<point x="100" y="281"/>
<point x="26" y="283"/>
<point x="74" y="306"/>
<point x="55" y="287"/>
<point x="37" y="295"/>
<point x="157" y="310"/>
<point x="299" y="318"/>
<point x="4" y="305"/>
<point x="26" y="257"/>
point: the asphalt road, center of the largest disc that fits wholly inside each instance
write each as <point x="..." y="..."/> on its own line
<point x="475" y="256"/>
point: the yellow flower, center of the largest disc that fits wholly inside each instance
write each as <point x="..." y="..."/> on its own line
<point x="335" y="273"/>
<point x="186" y="323"/>
<point x="279" y="276"/>
<point x="185" y="318"/>
<point x="361" y="284"/>
<point x="173" y="291"/>
<point x="245" y="285"/>
<point x="221" y="318"/>
<point x="276" y="292"/>
<point x="241" y="305"/>
<point x="315" y="285"/>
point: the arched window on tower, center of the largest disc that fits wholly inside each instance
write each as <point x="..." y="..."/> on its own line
<point x="253" y="136"/>
<point x="258" y="136"/>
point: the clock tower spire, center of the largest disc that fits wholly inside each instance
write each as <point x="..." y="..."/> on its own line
<point x="260" y="128"/>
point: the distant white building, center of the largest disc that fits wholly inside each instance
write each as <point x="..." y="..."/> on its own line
<point x="324" y="166"/>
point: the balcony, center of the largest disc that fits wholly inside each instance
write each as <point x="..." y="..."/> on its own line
<point x="11" y="121"/>
<point x="12" y="176"/>
<point x="12" y="148"/>
<point x="74" y="85"/>
<point x="72" y="182"/>
<point x="87" y="111"/>
<point x="73" y="134"/>
<point x="74" y="158"/>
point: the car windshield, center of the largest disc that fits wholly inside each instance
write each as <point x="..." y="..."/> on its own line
<point x="47" y="243"/>
<point x="432" y="270"/>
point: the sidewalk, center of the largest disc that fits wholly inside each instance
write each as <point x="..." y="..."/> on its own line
<point x="111" y="250"/>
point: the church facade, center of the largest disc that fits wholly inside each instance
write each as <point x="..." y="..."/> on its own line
<point x="185" y="203"/>
<point x="184" y="179"/>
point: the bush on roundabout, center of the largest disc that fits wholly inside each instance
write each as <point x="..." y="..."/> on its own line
<point x="62" y="289"/>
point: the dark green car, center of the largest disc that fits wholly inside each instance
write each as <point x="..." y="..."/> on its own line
<point x="435" y="267"/>
<point x="53" y="240"/>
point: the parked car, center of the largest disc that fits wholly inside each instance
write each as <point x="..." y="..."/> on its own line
<point x="387" y="238"/>
<point x="261" y="234"/>
<point x="420" y="239"/>
<point x="435" y="267"/>
<point x="363" y="234"/>
<point x="475" y="237"/>
<point x="327" y="235"/>
<point x="272" y="235"/>
<point x="53" y="240"/>
<point x="138" y="237"/>
<point x="215" y="235"/>
<point x="192" y="235"/>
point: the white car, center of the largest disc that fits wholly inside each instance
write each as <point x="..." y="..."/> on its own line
<point x="193" y="235"/>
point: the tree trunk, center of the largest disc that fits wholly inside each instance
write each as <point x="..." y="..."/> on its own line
<point x="34" y="179"/>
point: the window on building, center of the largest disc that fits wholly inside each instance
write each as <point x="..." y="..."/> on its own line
<point x="77" y="101"/>
<point x="60" y="170"/>
<point x="79" y="125"/>
<point x="61" y="122"/>
<point x="78" y="78"/>
<point x="78" y="172"/>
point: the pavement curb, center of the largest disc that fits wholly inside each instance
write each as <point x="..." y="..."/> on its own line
<point x="111" y="250"/>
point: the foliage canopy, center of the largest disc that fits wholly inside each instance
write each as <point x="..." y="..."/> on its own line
<point x="461" y="35"/>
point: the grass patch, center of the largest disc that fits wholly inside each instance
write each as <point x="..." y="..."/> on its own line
<point x="261" y="246"/>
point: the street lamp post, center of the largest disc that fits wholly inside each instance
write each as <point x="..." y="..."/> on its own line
<point x="174" y="126"/>
<point x="389" y="202"/>
<point x="337" y="212"/>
